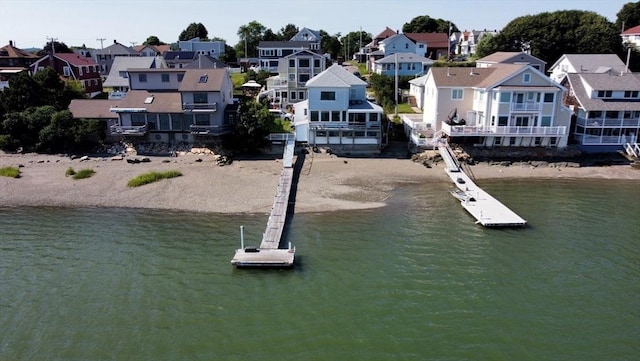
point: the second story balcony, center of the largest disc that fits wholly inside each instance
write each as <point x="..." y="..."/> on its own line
<point x="200" y="107"/>
<point x="526" y="107"/>
<point x="214" y="130"/>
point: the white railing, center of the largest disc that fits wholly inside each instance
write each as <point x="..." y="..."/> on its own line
<point x="117" y="95"/>
<point x="632" y="149"/>
<point x="200" y="107"/>
<point x="526" y="106"/>
<point x="209" y="129"/>
<point x="129" y="129"/>
<point x="469" y="130"/>
<point x="601" y="140"/>
<point x="608" y="122"/>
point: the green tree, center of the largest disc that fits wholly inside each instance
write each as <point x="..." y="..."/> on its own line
<point x="153" y="40"/>
<point x="549" y="35"/>
<point x="194" y="30"/>
<point x="54" y="45"/>
<point x="628" y="16"/>
<point x="331" y="44"/>
<point x="351" y="42"/>
<point x="427" y="24"/>
<point x="251" y="130"/>
<point x="486" y="46"/>
<point x="250" y="36"/>
<point x="269" y="35"/>
<point x="288" y="32"/>
<point x="23" y="128"/>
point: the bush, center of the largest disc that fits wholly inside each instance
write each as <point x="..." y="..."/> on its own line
<point x="83" y="173"/>
<point x="12" y="172"/>
<point x="151" y="177"/>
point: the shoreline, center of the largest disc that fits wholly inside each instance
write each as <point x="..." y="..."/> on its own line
<point x="326" y="182"/>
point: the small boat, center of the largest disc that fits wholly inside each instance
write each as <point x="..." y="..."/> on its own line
<point x="461" y="195"/>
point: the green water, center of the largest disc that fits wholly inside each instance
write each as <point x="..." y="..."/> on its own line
<point x="416" y="280"/>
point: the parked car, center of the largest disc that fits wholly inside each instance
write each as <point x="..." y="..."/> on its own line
<point x="279" y="113"/>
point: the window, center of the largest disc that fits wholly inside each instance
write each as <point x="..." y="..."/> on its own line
<point x="457" y="93"/>
<point x="303" y="78"/>
<point x="292" y="63"/>
<point x="293" y="96"/>
<point x="300" y="95"/>
<point x="545" y="121"/>
<point x="202" y="119"/>
<point x="80" y="70"/>
<point x="335" y="116"/>
<point x="137" y="119"/>
<point x="165" y="78"/>
<point x="292" y="77"/>
<point x="327" y="95"/>
<point x="303" y="63"/>
<point x="67" y="71"/>
<point x="604" y="93"/>
<point x="505" y="97"/>
<point x="549" y="97"/>
<point x="203" y="79"/>
<point x="503" y="121"/>
<point x="316" y="63"/>
<point x="497" y="141"/>
<point x="314" y="116"/>
<point x="200" y="98"/>
<point x="163" y="121"/>
<point x="180" y="77"/>
<point x="526" y="78"/>
<point x="176" y="121"/>
<point x="631" y="94"/>
<point x="142" y="78"/>
<point x="324" y="116"/>
<point x="512" y="141"/>
<point x="553" y="140"/>
<point x="537" y="141"/>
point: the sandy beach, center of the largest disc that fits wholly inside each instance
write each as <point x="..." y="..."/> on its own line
<point x="326" y="182"/>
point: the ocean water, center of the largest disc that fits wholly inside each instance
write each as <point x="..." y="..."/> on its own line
<point x="415" y="280"/>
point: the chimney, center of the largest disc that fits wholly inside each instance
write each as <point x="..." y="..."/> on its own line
<point x="10" y="42"/>
<point x="114" y="41"/>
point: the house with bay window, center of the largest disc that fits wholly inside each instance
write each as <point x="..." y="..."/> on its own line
<point x="176" y="105"/>
<point x="338" y="116"/>
<point x="606" y="108"/>
<point x="503" y="105"/>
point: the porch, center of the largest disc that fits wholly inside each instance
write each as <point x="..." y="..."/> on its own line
<point x="479" y="130"/>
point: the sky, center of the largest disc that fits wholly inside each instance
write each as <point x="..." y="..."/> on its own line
<point x="30" y="23"/>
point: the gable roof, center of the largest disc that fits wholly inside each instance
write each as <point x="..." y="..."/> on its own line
<point x="203" y="80"/>
<point x="75" y="59"/>
<point x="508" y="56"/>
<point x="592" y="63"/>
<point x="159" y="49"/>
<point x="404" y="58"/>
<point x="433" y="40"/>
<point x="632" y="31"/>
<point x="205" y="62"/>
<point x="315" y="33"/>
<point x="122" y="63"/>
<point x="335" y="76"/>
<point x="180" y="55"/>
<point x="394" y="37"/>
<point x="10" y="51"/>
<point x="387" y="32"/>
<point x="116" y="48"/>
<point x="627" y="81"/>
<point x="475" y="77"/>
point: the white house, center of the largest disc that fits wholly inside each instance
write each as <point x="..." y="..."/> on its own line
<point x="586" y="63"/>
<point x="607" y="109"/>
<point x="502" y="105"/>
<point x="117" y="81"/>
<point x="337" y="114"/>
<point x="631" y="37"/>
<point x="407" y="64"/>
<point x="312" y="36"/>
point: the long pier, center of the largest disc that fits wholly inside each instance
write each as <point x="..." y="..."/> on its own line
<point x="487" y="210"/>
<point x="269" y="254"/>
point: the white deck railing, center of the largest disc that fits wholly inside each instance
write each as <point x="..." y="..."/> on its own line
<point x="472" y="130"/>
<point x="632" y="149"/>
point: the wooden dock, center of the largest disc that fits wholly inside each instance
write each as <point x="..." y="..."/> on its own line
<point x="269" y="254"/>
<point x="487" y="210"/>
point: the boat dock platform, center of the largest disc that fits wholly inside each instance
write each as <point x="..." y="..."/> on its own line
<point x="487" y="210"/>
<point x="269" y="254"/>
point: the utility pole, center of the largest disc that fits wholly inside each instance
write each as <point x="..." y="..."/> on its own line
<point x="133" y="43"/>
<point x="101" y="40"/>
<point x="52" y="40"/>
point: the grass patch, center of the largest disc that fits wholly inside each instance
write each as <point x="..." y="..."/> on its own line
<point x="281" y="126"/>
<point x="12" y="172"/>
<point x="405" y="108"/>
<point x="83" y="173"/>
<point x="151" y="177"/>
<point x="70" y="171"/>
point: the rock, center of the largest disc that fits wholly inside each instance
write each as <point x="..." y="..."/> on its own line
<point x="84" y="157"/>
<point x="117" y="157"/>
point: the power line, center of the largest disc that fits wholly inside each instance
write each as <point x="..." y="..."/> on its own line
<point x="101" y="40"/>
<point x="51" y="40"/>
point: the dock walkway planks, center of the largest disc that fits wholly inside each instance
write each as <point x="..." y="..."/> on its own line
<point x="487" y="210"/>
<point x="268" y="254"/>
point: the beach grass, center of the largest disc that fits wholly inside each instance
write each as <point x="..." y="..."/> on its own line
<point x="69" y="172"/>
<point x="83" y="173"/>
<point x="12" y="172"/>
<point x="151" y="177"/>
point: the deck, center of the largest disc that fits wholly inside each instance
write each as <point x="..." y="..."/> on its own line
<point x="269" y="254"/>
<point x="487" y="210"/>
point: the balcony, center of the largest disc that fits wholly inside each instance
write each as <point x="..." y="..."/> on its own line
<point x="140" y="130"/>
<point x="609" y="122"/>
<point x="526" y="107"/>
<point x="200" y="107"/>
<point x="345" y="125"/>
<point x="474" y="131"/>
<point x="214" y="130"/>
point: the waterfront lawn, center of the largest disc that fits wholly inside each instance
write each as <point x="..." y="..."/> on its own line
<point x="151" y="177"/>
<point x="12" y="172"/>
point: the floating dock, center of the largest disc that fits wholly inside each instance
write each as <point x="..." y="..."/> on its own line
<point x="269" y="254"/>
<point x="487" y="210"/>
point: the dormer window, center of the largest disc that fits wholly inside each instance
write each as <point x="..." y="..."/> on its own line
<point x="203" y="78"/>
<point x="604" y="93"/>
<point x="631" y="94"/>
